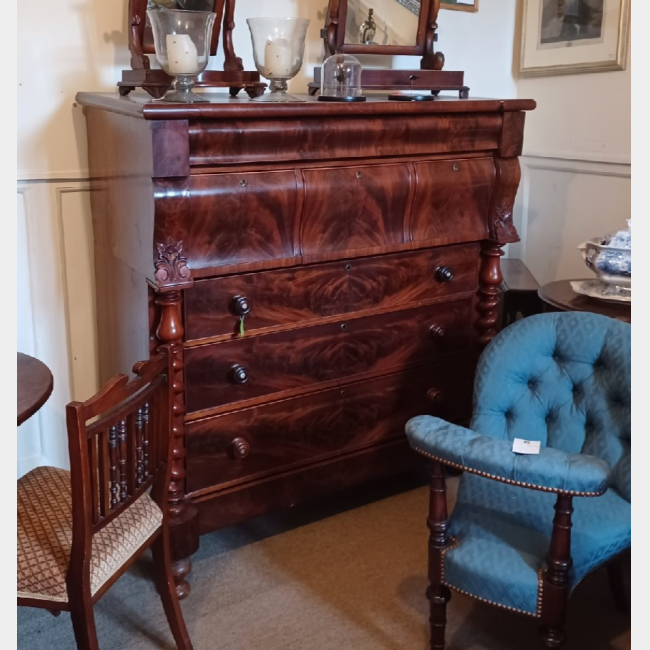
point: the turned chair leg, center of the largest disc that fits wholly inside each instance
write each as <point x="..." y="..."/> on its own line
<point x="162" y="566"/>
<point x="556" y="577"/>
<point x="83" y="624"/>
<point x="438" y="598"/>
<point x="437" y="593"/>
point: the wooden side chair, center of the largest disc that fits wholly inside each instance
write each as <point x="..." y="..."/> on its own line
<point x="79" y="531"/>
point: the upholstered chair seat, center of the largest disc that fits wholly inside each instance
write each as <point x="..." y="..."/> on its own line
<point x="562" y="379"/>
<point x="45" y="536"/>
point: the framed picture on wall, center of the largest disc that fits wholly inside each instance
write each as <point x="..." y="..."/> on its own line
<point x="460" y="5"/>
<point x="573" y="36"/>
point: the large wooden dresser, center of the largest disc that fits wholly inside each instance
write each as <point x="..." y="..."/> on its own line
<point x="323" y="271"/>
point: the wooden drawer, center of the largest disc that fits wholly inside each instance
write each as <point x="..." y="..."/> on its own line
<point x="452" y="200"/>
<point x="306" y="137"/>
<point x="297" y="295"/>
<point x="252" y="442"/>
<point x="238" y="218"/>
<point x="232" y="371"/>
<point x="348" y="208"/>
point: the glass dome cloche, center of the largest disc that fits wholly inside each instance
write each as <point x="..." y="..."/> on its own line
<point x="341" y="79"/>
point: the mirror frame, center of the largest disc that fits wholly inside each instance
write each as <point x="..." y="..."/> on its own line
<point x="334" y="34"/>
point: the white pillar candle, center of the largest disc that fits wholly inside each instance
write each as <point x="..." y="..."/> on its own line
<point x="277" y="58"/>
<point x="182" y="56"/>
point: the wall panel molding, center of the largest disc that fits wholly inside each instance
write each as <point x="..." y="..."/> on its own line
<point x="58" y="299"/>
<point x="608" y="159"/>
<point x="28" y="440"/>
<point x="561" y="202"/>
<point x="45" y="176"/>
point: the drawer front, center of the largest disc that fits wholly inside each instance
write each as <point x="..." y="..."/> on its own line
<point x="452" y="200"/>
<point x="232" y="371"/>
<point x="348" y="208"/>
<point x="251" y="442"/>
<point x="225" y="219"/>
<point x="288" y="296"/>
<point x="229" y="141"/>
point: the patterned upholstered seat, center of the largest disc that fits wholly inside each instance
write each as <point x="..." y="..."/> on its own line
<point x="45" y="535"/>
<point x="502" y="541"/>
<point x="562" y="379"/>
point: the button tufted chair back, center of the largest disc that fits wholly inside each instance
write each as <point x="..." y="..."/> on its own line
<point x="564" y="379"/>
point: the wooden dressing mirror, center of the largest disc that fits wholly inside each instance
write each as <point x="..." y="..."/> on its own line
<point x="390" y="27"/>
<point x="372" y="26"/>
<point x="157" y="82"/>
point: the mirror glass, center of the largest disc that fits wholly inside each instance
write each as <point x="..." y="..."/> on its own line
<point x="382" y="22"/>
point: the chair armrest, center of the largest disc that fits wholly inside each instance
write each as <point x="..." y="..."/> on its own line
<point x="551" y="470"/>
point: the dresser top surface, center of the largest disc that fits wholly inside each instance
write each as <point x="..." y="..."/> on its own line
<point x="222" y="106"/>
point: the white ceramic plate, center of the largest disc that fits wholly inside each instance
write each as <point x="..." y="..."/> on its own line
<point x="602" y="290"/>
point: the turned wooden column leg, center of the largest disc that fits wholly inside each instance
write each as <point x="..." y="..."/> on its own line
<point x="556" y="577"/>
<point x="182" y="514"/>
<point x="501" y="230"/>
<point x="172" y="275"/>
<point x="489" y="292"/>
<point x="437" y="522"/>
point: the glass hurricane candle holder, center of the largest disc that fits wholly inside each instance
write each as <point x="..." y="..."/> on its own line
<point x="182" y="42"/>
<point x="278" y="49"/>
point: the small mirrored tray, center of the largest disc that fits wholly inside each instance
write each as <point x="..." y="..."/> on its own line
<point x="602" y="290"/>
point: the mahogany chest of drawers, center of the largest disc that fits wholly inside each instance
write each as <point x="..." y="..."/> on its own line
<point x="323" y="271"/>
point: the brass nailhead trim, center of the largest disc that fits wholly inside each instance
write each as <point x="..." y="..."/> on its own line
<point x="532" y="486"/>
<point x="540" y="585"/>
<point x="491" y="602"/>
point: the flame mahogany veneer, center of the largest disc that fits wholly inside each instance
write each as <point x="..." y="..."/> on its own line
<point x="361" y="244"/>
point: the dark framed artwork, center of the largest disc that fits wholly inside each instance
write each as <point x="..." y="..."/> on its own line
<point x="573" y="36"/>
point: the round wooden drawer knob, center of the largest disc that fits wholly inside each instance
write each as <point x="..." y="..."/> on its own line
<point x="436" y="331"/>
<point x="239" y="448"/>
<point x="239" y="374"/>
<point x="444" y="274"/>
<point x="435" y="396"/>
<point x="240" y="305"/>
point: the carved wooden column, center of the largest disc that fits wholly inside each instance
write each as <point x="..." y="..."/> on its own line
<point x="172" y="276"/>
<point x="490" y="279"/>
<point x="556" y="576"/>
<point x="502" y="231"/>
<point x="432" y="60"/>
<point x="437" y="522"/>
<point x="232" y="62"/>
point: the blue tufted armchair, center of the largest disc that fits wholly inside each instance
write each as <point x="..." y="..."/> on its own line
<point x="563" y="379"/>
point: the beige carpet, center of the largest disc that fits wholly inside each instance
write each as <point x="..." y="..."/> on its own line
<point x="348" y="573"/>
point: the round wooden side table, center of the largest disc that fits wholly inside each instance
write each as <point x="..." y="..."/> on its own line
<point x="559" y="296"/>
<point x="35" y="385"/>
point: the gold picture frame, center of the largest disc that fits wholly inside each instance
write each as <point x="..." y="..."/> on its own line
<point x="594" y="40"/>
<point x="461" y="5"/>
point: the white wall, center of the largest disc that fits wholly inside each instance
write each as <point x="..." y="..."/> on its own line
<point x="74" y="45"/>
<point x="576" y="168"/>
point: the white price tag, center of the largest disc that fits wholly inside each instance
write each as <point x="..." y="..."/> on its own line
<point x="520" y="446"/>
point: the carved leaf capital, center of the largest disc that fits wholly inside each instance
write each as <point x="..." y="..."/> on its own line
<point x="503" y="228"/>
<point x="171" y="267"/>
